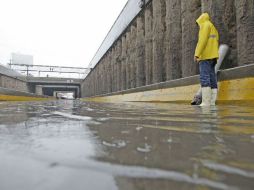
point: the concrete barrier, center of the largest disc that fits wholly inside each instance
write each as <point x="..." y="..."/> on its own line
<point x="235" y="84"/>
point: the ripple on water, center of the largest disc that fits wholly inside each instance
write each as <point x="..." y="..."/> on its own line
<point x="145" y="149"/>
<point x="79" y="117"/>
<point x="116" y="144"/>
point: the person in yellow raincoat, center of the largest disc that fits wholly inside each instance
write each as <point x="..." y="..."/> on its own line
<point x="206" y="54"/>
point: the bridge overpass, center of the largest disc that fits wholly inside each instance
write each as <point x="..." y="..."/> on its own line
<point x="49" y="85"/>
<point x="15" y="83"/>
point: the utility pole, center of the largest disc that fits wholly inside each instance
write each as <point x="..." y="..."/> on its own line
<point x="27" y="70"/>
<point x="9" y="64"/>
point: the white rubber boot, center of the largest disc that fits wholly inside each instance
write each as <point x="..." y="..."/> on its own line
<point x="214" y="96"/>
<point x="206" y="96"/>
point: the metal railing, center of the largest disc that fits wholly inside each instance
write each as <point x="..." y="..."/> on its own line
<point x="49" y="70"/>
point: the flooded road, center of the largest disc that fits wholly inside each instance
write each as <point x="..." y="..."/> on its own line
<point x="62" y="145"/>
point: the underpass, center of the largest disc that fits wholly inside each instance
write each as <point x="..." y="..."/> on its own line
<point x="131" y="125"/>
<point x="16" y="86"/>
<point x="48" y="85"/>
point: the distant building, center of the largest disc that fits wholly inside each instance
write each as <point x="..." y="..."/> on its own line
<point x="17" y="58"/>
<point x="21" y="63"/>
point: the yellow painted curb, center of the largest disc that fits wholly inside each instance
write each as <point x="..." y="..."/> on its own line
<point x="229" y="90"/>
<point x="21" y="98"/>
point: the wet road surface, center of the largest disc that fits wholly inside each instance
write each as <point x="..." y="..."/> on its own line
<point x="64" y="145"/>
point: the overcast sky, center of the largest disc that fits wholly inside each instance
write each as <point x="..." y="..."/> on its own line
<point x="56" y="32"/>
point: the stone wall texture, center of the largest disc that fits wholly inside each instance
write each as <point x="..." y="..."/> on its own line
<point x="13" y="83"/>
<point x="160" y="42"/>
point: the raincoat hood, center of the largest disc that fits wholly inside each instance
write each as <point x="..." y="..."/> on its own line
<point x="208" y="39"/>
<point x="204" y="17"/>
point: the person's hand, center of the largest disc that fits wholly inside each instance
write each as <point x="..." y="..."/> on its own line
<point x="196" y="59"/>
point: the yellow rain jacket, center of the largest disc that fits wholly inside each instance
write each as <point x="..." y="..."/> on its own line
<point x="208" y="40"/>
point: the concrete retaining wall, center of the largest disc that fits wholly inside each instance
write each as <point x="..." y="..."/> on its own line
<point x="235" y="84"/>
<point x="12" y="80"/>
<point x="13" y="83"/>
<point x="159" y="44"/>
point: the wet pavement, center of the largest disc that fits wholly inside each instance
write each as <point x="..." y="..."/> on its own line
<point x="64" y="145"/>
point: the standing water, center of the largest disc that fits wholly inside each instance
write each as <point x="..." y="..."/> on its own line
<point x="69" y="144"/>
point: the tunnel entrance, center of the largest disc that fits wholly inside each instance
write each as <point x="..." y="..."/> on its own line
<point x="61" y="92"/>
<point x="64" y="95"/>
